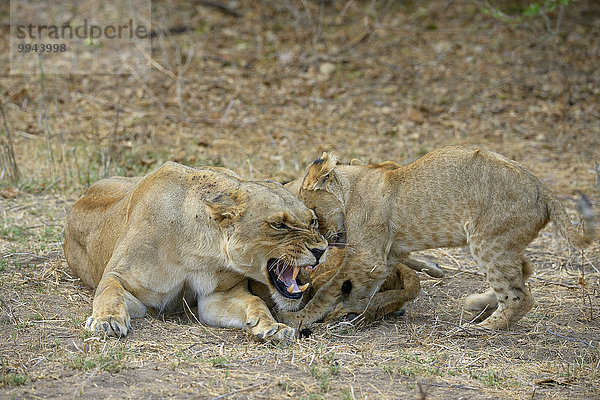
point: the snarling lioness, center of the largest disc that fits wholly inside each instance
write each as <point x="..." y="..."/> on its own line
<point x="453" y="196"/>
<point x="194" y="235"/>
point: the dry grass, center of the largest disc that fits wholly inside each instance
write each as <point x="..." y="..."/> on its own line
<point x="264" y="94"/>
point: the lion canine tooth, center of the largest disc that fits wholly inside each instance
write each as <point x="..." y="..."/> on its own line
<point x="293" y="288"/>
<point x="295" y="273"/>
<point x="304" y="287"/>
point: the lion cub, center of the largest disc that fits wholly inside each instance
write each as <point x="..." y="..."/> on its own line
<point x="453" y="196"/>
<point x="400" y="287"/>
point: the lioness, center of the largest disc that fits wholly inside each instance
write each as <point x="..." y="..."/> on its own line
<point x="195" y="234"/>
<point x="453" y="196"/>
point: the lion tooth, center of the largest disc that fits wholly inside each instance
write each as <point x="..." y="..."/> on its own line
<point x="304" y="287"/>
<point x="293" y="288"/>
<point x="295" y="273"/>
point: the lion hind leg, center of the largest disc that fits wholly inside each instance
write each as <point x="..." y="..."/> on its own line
<point x="506" y="274"/>
<point x="482" y="305"/>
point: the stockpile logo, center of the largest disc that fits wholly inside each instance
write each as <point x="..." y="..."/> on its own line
<point x="80" y="37"/>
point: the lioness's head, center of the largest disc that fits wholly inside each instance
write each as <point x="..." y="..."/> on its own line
<point x="321" y="191"/>
<point x="271" y="235"/>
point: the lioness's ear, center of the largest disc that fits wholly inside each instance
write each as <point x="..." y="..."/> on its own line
<point x="319" y="172"/>
<point x="356" y="161"/>
<point x="226" y="207"/>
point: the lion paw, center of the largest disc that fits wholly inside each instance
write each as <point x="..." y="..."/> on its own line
<point x="275" y="332"/>
<point x="111" y="325"/>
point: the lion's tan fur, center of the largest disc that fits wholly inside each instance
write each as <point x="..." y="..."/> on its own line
<point x="399" y="288"/>
<point x="453" y="196"/>
<point x="193" y="234"/>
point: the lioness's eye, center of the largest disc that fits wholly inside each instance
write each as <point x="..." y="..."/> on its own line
<point x="279" y="225"/>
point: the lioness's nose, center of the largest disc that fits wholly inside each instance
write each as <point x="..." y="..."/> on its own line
<point x="317" y="253"/>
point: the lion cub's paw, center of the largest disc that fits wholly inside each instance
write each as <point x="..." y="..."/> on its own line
<point x="265" y="330"/>
<point x="111" y="325"/>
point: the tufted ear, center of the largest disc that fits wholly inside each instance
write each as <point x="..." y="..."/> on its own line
<point x="319" y="172"/>
<point x="226" y="207"/>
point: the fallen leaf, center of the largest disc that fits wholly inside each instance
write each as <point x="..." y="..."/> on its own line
<point x="553" y="381"/>
<point x="9" y="192"/>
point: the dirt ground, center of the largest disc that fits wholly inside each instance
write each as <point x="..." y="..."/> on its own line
<point x="264" y="93"/>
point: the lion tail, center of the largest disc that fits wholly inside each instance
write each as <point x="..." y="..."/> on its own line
<point x="563" y="225"/>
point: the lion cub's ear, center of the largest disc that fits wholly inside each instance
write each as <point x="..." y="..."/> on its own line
<point x="226" y="207"/>
<point x="320" y="172"/>
<point x="356" y="161"/>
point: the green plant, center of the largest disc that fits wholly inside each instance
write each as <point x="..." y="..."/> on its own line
<point x="14" y="379"/>
<point x="325" y="373"/>
<point x="517" y="12"/>
<point x="346" y="395"/>
<point x="219" y="362"/>
<point x="14" y="233"/>
<point x="111" y="360"/>
<point x="388" y="368"/>
<point x="489" y="379"/>
<point x="312" y="396"/>
<point x="77" y="321"/>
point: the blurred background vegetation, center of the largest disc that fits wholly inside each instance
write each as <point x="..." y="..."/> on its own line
<point x="264" y="87"/>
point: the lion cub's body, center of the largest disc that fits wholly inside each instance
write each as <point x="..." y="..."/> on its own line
<point x="453" y="196"/>
<point x="193" y="234"/>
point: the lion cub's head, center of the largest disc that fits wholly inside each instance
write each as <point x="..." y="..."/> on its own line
<point x="271" y="235"/>
<point x="322" y="191"/>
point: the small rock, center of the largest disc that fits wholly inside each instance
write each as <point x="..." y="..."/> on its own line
<point x="326" y="68"/>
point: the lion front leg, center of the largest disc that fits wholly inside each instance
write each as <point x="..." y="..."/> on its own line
<point x="238" y="308"/>
<point x="113" y="308"/>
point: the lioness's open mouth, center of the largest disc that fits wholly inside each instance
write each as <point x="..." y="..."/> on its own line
<point x="285" y="278"/>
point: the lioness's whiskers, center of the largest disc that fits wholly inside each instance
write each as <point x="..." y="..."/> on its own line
<point x="277" y="261"/>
